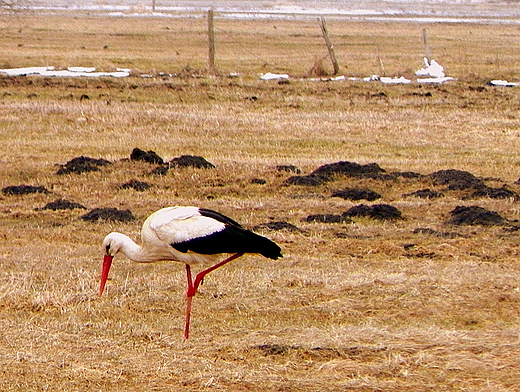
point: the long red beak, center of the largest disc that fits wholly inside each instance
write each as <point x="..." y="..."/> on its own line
<point x="107" y="261"/>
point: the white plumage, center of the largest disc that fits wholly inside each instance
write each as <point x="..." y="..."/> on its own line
<point x="190" y="235"/>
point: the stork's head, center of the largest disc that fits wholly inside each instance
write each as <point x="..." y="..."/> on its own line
<point x="111" y="245"/>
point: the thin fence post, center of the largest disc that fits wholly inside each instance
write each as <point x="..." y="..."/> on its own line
<point x="426" y="46"/>
<point x="211" y="41"/>
<point x="153" y="5"/>
<point x="330" y="47"/>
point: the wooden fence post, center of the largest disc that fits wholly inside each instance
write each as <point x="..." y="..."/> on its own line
<point x="426" y="46"/>
<point x="211" y="41"/>
<point x="153" y="5"/>
<point x="330" y="47"/>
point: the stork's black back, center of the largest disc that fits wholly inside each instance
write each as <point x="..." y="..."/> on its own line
<point x="232" y="239"/>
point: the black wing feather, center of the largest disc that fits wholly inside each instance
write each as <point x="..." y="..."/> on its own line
<point x="233" y="239"/>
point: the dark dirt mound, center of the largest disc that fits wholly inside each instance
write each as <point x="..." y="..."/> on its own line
<point x="475" y="215"/>
<point x="146" y="156"/>
<point x="495" y="193"/>
<point x="110" y="214"/>
<point x="328" y="218"/>
<point x="425" y="194"/>
<point x="310" y="180"/>
<point x="160" y="170"/>
<point x="352" y="169"/>
<point x="137" y="185"/>
<point x="61" y="204"/>
<point x="82" y="165"/>
<point x="376" y="211"/>
<point x="191" y="161"/>
<point x="23" y="189"/>
<point x="456" y="179"/>
<point x="288" y="168"/>
<point x="357" y="194"/>
<point x="277" y="225"/>
<point x="406" y="174"/>
<point x="259" y="181"/>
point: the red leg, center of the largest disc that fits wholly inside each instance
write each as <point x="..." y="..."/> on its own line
<point x="188" y="303"/>
<point x="194" y="285"/>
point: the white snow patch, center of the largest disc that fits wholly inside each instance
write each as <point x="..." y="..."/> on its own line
<point x="273" y="76"/>
<point x="432" y="69"/>
<point x="69" y="72"/>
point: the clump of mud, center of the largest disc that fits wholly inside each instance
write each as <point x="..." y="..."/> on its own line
<point x="376" y="211"/>
<point x="475" y="215"/>
<point x="456" y="179"/>
<point x="425" y="194"/>
<point x="136" y="185"/>
<point x="436" y="233"/>
<point x="310" y="180"/>
<point x="495" y="193"/>
<point x="328" y="218"/>
<point x="61" y="204"/>
<point x="184" y="161"/>
<point x="352" y="169"/>
<point x="82" y="164"/>
<point x="277" y="225"/>
<point x="357" y="194"/>
<point x="24" y="190"/>
<point x="191" y="161"/>
<point x="109" y="214"/>
<point x="288" y="168"/>
<point x="146" y="156"/>
<point x="258" y="181"/>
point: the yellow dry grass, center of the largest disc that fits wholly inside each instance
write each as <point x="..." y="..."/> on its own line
<point x="350" y="306"/>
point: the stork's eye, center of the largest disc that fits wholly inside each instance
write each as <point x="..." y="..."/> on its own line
<point x="108" y="249"/>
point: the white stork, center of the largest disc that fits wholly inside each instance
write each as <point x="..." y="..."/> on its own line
<point x="190" y="235"/>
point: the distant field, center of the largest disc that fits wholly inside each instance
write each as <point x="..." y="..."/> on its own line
<point x="411" y="304"/>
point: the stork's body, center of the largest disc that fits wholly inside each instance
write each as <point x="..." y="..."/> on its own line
<point x="189" y="235"/>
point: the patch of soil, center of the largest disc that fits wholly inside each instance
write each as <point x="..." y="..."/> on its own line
<point x="357" y="194"/>
<point x="61" y="204"/>
<point x="277" y="225"/>
<point x="146" y="156"/>
<point x="320" y="353"/>
<point x="328" y="218"/>
<point x="110" y="214"/>
<point x="288" y="168"/>
<point x="456" y="179"/>
<point x="24" y="190"/>
<point x="406" y="174"/>
<point x="376" y="211"/>
<point x="425" y="194"/>
<point x="191" y="161"/>
<point x="82" y="164"/>
<point x="136" y="185"/>
<point x="352" y="169"/>
<point x="310" y="180"/>
<point x="259" y="181"/>
<point x="495" y="193"/>
<point x="442" y="234"/>
<point x="475" y="215"/>
<point x="160" y="170"/>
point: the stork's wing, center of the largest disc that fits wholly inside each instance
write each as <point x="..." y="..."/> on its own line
<point x="175" y="225"/>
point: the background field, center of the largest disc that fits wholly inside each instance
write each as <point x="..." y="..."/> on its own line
<point x="364" y="306"/>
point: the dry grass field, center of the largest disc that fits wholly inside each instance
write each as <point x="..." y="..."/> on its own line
<point x="368" y="306"/>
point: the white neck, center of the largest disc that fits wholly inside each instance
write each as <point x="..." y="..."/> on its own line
<point x="135" y="252"/>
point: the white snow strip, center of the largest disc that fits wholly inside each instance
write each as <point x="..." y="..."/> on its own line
<point x="25" y="71"/>
<point x="434" y="80"/>
<point x="503" y="83"/>
<point x="70" y="72"/>
<point x="273" y="76"/>
<point x="401" y="80"/>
